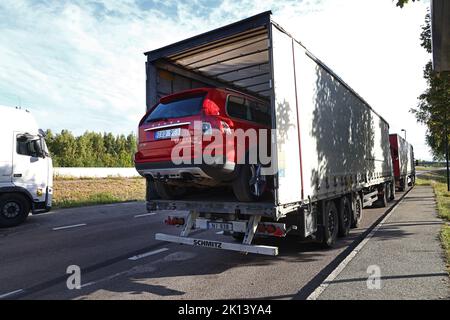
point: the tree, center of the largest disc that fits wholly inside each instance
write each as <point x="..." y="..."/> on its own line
<point x="91" y="149"/>
<point x="401" y="3"/>
<point x="434" y="104"/>
<point x="433" y="107"/>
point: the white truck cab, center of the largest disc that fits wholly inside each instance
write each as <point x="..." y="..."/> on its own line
<point x="26" y="169"/>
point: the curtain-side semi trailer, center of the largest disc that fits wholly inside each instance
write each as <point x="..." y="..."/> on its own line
<point x="402" y="161"/>
<point x="330" y="149"/>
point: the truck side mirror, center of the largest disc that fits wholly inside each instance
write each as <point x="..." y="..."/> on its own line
<point x="38" y="147"/>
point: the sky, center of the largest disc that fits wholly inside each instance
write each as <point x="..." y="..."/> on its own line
<point x="79" y="65"/>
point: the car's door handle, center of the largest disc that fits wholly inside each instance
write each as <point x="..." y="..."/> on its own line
<point x="17" y="175"/>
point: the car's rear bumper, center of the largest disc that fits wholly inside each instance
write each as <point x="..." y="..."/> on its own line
<point x="218" y="171"/>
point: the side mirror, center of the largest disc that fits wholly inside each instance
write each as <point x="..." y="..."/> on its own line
<point x="39" y="151"/>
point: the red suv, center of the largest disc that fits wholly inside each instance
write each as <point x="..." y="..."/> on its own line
<point x="177" y="133"/>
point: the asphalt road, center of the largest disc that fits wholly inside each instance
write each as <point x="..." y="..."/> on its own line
<point x="102" y="239"/>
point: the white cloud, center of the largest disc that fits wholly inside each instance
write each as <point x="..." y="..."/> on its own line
<point x="81" y="65"/>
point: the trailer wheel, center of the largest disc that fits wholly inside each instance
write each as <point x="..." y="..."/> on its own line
<point x="168" y="192"/>
<point x="401" y="186"/>
<point x="345" y="216"/>
<point x="250" y="184"/>
<point x="392" y="187"/>
<point x="412" y="181"/>
<point x="357" y="211"/>
<point x="14" y="209"/>
<point x="383" y="199"/>
<point x="330" y="224"/>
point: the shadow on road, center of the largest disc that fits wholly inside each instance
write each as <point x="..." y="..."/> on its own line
<point x="159" y="278"/>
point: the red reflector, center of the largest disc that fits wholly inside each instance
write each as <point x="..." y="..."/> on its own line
<point x="278" y="233"/>
<point x="261" y="228"/>
<point x="270" y="229"/>
<point x="174" y="221"/>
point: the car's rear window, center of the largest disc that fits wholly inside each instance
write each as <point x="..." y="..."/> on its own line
<point x="177" y="109"/>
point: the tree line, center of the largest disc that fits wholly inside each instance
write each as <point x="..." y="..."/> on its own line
<point x="91" y="149"/>
<point x="433" y="108"/>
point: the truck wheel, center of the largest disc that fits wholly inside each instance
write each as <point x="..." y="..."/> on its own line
<point x="330" y="224"/>
<point x="392" y="187"/>
<point x="345" y="216"/>
<point x="412" y="181"/>
<point x="14" y="209"/>
<point x="250" y="184"/>
<point x="168" y="192"/>
<point x="401" y="185"/>
<point x="357" y="211"/>
<point x="383" y="199"/>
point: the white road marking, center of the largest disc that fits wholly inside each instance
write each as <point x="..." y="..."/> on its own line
<point x="219" y="232"/>
<point x="69" y="227"/>
<point x="145" y="215"/>
<point x="144" y="255"/>
<point x="320" y="289"/>
<point x="88" y="284"/>
<point x="10" y="294"/>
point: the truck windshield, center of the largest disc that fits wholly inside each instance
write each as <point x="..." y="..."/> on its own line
<point x="176" y="109"/>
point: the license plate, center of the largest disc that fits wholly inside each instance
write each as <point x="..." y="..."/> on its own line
<point x="167" y="134"/>
<point x="220" y="226"/>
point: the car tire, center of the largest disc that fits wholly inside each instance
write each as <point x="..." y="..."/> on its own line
<point x="345" y="216"/>
<point x="14" y="209"/>
<point x="249" y="185"/>
<point x="168" y="192"/>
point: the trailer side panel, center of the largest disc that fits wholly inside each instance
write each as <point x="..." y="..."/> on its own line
<point x="287" y="153"/>
<point x="344" y="142"/>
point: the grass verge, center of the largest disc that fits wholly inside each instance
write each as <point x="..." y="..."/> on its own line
<point x="69" y="193"/>
<point x="437" y="179"/>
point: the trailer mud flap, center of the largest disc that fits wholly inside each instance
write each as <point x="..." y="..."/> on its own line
<point x="258" y="249"/>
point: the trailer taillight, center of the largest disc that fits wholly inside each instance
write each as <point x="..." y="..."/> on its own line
<point x="174" y="221"/>
<point x="270" y="229"/>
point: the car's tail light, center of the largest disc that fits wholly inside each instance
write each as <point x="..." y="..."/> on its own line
<point x="211" y="108"/>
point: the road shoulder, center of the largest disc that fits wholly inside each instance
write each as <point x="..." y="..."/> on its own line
<point x="404" y="253"/>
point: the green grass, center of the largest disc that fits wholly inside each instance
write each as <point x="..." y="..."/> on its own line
<point x="438" y="180"/>
<point x="445" y="238"/>
<point x="69" y="193"/>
